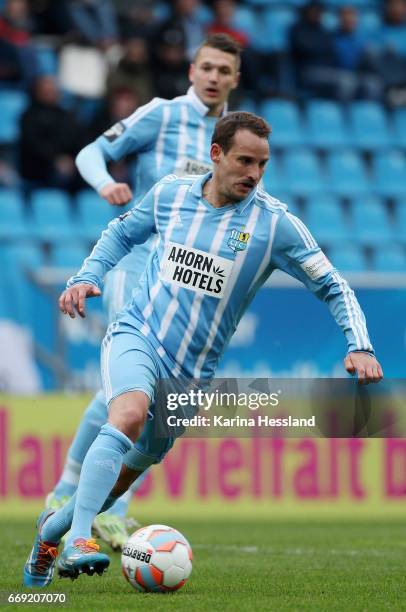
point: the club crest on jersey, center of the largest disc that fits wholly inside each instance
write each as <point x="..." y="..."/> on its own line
<point x="238" y="240"/>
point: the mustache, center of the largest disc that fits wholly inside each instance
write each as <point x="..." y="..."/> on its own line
<point x="248" y="183"/>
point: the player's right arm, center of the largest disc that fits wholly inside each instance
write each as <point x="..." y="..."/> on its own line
<point x="134" y="227"/>
<point x="134" y="134"/>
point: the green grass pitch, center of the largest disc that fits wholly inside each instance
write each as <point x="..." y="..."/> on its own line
<point x="245" y="566"/>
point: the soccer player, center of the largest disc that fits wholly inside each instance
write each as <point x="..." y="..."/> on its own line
<point x="169" y="136"/>
<point x="219" y="238"/>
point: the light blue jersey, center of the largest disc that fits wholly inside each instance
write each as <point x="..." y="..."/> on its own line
<point x="208" y="264"/>
<point x="168" y="136"/>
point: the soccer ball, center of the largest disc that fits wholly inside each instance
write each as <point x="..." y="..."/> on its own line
<point x="157" y="558"/>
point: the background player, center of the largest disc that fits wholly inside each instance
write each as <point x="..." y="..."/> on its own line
<point x="169" y="136"/>
<point x="178" y="327"/>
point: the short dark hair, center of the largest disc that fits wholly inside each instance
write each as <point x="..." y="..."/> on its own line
<point x="227" y="127"/>
<point x="222" y="42"/>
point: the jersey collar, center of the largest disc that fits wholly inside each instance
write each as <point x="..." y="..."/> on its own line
<point x="197" y="190"/>
<point x="201" y="108"/>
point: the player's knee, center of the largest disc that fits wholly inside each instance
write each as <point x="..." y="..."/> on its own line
<point x="128" y="413"/>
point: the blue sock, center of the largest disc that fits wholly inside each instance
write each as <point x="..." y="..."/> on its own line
<point x="120" y="507"/>
<point x="93" y="418"/>
<point x="59" y="523"/>
<point x="100" y="471"/>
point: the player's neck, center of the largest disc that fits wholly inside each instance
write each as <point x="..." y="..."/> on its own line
<point x="216" y="111"/>
<point x="213" y="195"/>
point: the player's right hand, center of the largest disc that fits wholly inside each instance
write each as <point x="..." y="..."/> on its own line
<point x="117" y="194"/>
<point x="74" y="298"/>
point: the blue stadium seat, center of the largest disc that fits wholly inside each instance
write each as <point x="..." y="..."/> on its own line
<point x="12" y="105"/>
<point x="248" y="105"/>
<point x="390" y="259"/>
<point x="17" y="262"/>
<point x="399" y="120"/>
<point x="284" y="118"/>
<point x="325" y="219"/>
<point x="13" y="219"/>
<point x="289" y="200"/>
<point x="276" y="23"/>
<point x="245" y="21"/>
<point x="325" y="125"/>
<point x="390" y="173"/>
<point x="302" y="173"/>
<point x="272" y="177"/>
<point x="69" y="255"/>
<point x="369" y="22"/>
<point x="52" y="215"/>
<point x="370" y="222"/>
<point x="346" y="173"/>
<point x="348" y="258"/>
<point x="330" y="20"/>
<point x="369" y="126"/>
<point x="47" y="60"/>
<point x="400" y="220"/>
<point x="94" y="214"/>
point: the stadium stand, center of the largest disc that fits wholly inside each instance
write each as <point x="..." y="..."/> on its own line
<point x="371" y="224"/>
<point x="389" y="173"/>
<point x="302" y="172"/>
<point x="52" y="215"/>
<point x="94" y="215"/>
<point x="12" y="105"/>
<point x="68" y="255"/>
<point x="13" y="215"/>
<point x="326" y="220"/>
<point x="369" y="126"/>
<point x="348" y="258"/>
<point x="326" y="127"/>
<point x="284" y="116"/>
<point x="392" y="259"/>
<point x="346" y="173"/>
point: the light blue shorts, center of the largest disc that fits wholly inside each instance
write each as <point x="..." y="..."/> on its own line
<point x="130" y="363"/>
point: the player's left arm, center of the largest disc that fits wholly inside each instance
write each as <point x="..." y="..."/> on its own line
<point x="296" y="252"/>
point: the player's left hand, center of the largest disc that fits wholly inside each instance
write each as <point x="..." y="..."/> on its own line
<point x="365" y="366"/>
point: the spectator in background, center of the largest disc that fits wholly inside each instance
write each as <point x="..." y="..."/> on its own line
<point x="353" y="60"/>
<point x="120" y="103"/>
<point x="170" y="67"/>
<point x="136" y="19"/>
<point x="393" y="31"/>
<point x="324" y="62"/>
<point x="18" y="61"/>
<point x="50" y="17"/>
<point x="389" y="51"/>
<point x="393" y="54"/>
<point x="49" y="140"/>
<point x="312" y="52"/>
<point x="256" y="69"/>
<point x="133" y="71"/>
<point x="224" y="22"/>
<point x="183" y="28"/>
<point x="95" y="20"/>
